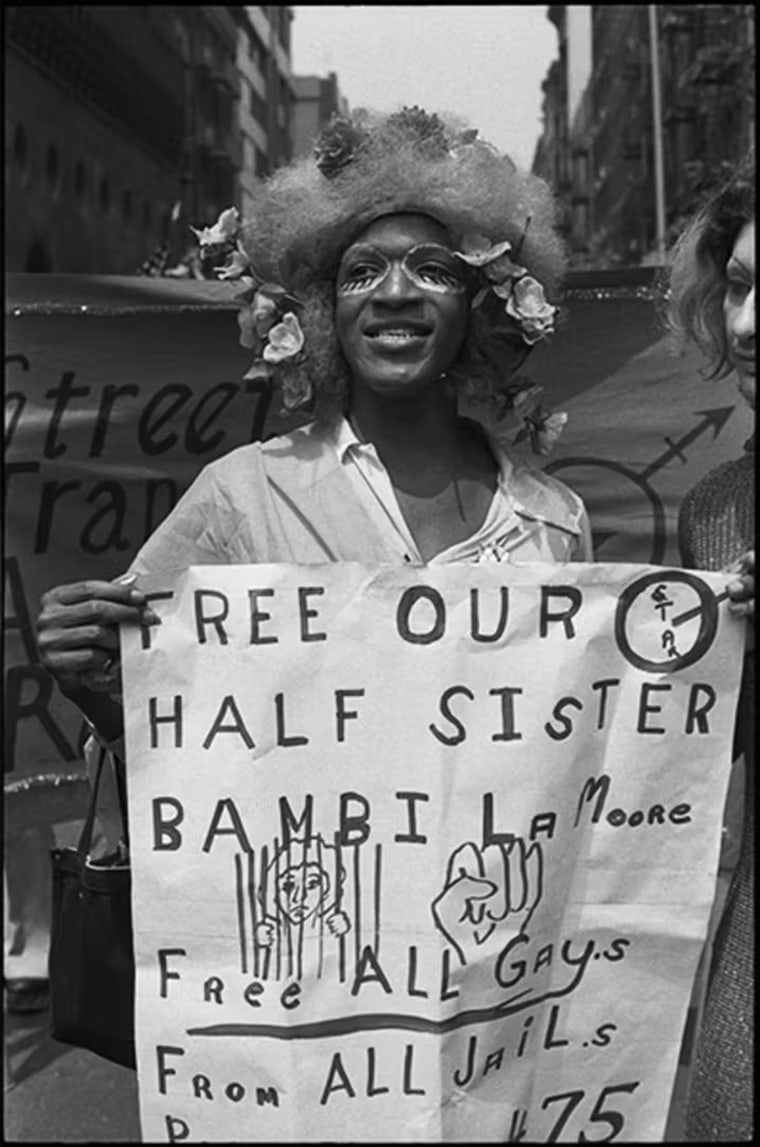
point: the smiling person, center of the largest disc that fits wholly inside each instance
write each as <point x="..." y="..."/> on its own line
<point x="405" y="265"/>
<point x="712" y="303"/>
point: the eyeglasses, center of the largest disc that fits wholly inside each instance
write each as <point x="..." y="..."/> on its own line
<point x="428" y="266"/>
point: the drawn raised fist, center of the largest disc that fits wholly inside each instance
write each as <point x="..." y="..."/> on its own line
<point x="483" y="888"/>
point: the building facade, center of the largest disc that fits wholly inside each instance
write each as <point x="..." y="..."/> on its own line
<point x="317" y="100"/>
<point x="125" y="125"/>
<point x="267" y="96"/>
<point x="207" y="38"/>
<point x="551" y="157"/>
<point x="601" y="159"/>
<point x="91" y="169"/>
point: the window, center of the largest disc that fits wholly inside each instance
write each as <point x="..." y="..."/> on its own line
<point x="256" y="50"/>
<point x="51" y="168"/>
<point x="283" y="31"/>
<point x="258" y="107"/>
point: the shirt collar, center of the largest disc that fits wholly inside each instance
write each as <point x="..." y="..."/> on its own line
<point x="344" y="437"/>
<point x="347" y="445"/>
<point x="346" y="441"/>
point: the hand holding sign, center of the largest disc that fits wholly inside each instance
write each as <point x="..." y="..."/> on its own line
<point x="484" y="887"/>
<point x="78" y="629"/>
<point x="741" y="591"/>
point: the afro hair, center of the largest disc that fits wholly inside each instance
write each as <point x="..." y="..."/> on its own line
<point x="367" y="166"/>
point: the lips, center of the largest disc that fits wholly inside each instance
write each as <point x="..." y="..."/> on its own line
<point x="405" y="329"/>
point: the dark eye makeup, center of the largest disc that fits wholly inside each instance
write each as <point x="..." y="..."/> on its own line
<point x="428" y="266"/>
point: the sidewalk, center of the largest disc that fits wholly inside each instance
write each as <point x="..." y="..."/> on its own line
<point x="59" y="1094"/>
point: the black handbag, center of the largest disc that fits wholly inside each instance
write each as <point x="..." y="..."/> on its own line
<point x="91" y="961"/>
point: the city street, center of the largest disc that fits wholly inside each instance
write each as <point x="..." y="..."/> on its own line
<point x="59" y="1094"/>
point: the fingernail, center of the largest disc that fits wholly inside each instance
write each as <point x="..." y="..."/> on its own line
<point x="150" y="618"/>
<point x="137" y="597"/>
<point x="126" y="579"/>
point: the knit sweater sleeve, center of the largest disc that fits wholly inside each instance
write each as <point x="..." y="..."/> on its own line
<point x="716" y="522"/>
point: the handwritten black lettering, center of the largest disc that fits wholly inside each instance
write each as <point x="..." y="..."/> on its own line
<point x="168" y="814"/>
<point x="173" y="719"/>
<point x="203" y="600"/>
<point x="259" y="615"/>
<point x="461" y="732"/>
<point x="645" y="708"/>
<point x="165" y="974"/>
<point x="498" y="631"/>
<point x="558" y="713"/>
<point x="409" y="599"/>
<point x="573" y="596"/>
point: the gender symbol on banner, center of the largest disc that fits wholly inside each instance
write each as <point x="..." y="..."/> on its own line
<point x="715" y="418"/>
<point x="666" y="620"/>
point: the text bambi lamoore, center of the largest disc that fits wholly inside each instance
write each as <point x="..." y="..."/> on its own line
<point x="421" y="618"/>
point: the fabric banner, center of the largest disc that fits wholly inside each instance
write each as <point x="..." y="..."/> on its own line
<point x="423" y="854"/>
<point x="115" y="398"/>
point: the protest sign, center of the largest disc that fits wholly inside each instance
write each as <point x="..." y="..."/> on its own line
<point x="423" y="854"/>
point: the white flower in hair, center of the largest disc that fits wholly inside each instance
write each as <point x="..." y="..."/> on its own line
<point x="526" y="303"/>
<point x="468" y="146"/>
<point x="285" y="340"/>
<point x="238" y="265"/>
<point x="501" y="269"/>
<point x="478" y="251"/>
<point x="268" y="325"/>
<point x="543" y="428"/>
<point x="223" y="231"/>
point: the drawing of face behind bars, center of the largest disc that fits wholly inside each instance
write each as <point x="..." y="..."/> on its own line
<point x="304" y="880"/>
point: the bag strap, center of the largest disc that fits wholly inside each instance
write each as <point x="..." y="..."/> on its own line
<point x="121" y="788"/>
<point x="85" y="840"/>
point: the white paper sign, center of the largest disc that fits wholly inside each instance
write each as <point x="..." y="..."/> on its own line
<point x="423" y="854"/>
